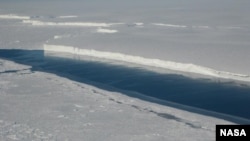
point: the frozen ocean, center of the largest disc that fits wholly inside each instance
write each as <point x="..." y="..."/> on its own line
<point x="123" y="70"/>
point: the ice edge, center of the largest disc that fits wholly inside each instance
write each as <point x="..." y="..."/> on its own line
<point x="102" y="30"/>
<point x="72" y="24"/>
<point x="13" y="16"/>
<point x="183" y="67"/>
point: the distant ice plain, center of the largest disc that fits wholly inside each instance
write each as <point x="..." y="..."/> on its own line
<point x="205" y="33"/>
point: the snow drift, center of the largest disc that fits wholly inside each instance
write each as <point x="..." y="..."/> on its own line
<point x="148" y="62"/>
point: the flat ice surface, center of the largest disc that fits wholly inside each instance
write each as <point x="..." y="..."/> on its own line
<point x="44" y="107"/>
<point x="40" y="106"/>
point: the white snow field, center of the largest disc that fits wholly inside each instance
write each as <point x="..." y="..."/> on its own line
<point x="206" y="37"/>
<point x="41" y="106"/>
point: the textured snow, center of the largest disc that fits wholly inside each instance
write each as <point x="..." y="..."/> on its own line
<point x="42" y="106"/>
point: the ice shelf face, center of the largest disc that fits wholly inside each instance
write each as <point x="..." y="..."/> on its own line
<point x="192" y="68"/>
<point x="71" y="24"/>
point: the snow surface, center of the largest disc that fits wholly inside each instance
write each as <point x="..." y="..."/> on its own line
<point x="42" y="106"/>
<point x="206" y="37"/>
